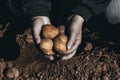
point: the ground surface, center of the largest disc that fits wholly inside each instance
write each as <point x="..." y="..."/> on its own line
<point x="96" y="60"/>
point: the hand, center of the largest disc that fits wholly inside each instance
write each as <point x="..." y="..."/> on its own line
<point x="38" y="22"/>
<point x="75" y="36"/>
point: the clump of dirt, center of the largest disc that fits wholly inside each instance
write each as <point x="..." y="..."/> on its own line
<point x="93" y="62"/>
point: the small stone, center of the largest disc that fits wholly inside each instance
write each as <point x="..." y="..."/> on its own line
<point x="76" y="72"/>
<point x="41" y="77"/>
<point x="12" y="73"/>
<point x="88" y="46"/>
<point x="39" y="74"/>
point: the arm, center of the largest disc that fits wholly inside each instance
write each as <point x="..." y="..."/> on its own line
<point x="38" y="12"/>
<point x="89" y="8"/>
<point x="35" y="8"/>
<point x="81" y="13"/>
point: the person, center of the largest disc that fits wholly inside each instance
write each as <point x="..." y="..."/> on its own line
<point x="77" y="13"/>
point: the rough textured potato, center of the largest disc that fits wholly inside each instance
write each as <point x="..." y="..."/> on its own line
<point x="49" y="31"/>
<point x="61" y="40"/>
<point x="46" y="46"/>
<point x="59" y="46"/>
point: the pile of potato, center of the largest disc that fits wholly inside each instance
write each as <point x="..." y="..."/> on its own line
<point x="54" y="40"/>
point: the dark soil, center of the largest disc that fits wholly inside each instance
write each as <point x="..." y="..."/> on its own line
<point x="96" y="59"/>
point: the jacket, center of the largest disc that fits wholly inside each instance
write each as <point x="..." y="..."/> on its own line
<point x="31" y="8"/>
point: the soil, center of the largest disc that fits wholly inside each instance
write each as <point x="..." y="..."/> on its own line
<point x="96" y="59"/>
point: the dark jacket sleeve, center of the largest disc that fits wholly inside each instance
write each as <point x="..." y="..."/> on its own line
<point x="37" y="8"/>
<point x="88" y="8"/>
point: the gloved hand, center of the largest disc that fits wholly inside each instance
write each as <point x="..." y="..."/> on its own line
<point x="74" y="41"/>
<point x="38" y="22"/>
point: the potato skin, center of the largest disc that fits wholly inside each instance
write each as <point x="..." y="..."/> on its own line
<point x="46" y="45"/>
<point x="62" y="37"/>
<point x="60" y="43"/>
<point x="61" y="40"/>
<point x="60" y="46"/>
<point x="49" y="31"/>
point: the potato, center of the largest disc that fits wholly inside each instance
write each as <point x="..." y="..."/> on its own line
<point x="49" y="34"/>
<point x="61" y="29"/>
<point x="46" y="46"/>
<point x="59" y="46"/>
<point x="49" y="31"/>
<point x="60" y="41"/>
<point x="62" y="37"/>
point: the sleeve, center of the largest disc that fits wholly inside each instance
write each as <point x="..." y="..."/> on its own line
<point x="37" y="8"/>
<point x="89" y="8"/>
